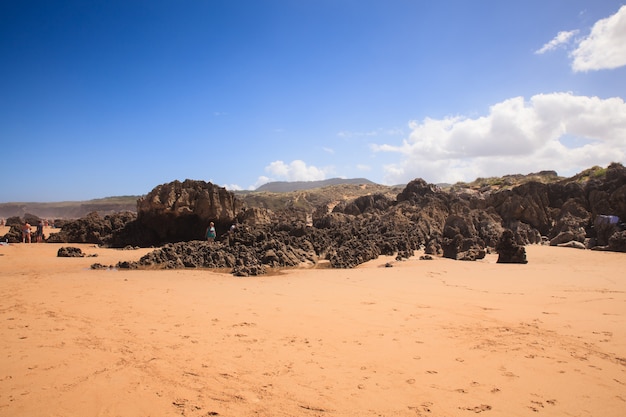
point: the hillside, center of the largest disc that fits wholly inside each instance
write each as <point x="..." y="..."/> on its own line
<point x="70" y="209"/>
<point x="303" y="195"/>
<point x="309" y="199"/>
<point x="288" y="186"/>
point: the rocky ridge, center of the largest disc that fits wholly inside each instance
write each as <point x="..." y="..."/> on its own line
<point x="463" y="222"/>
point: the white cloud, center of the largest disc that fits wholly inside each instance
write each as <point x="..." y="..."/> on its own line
<point x="561" y="39"/>
<point x="605" y="47"/>
<point x="233" y="187"/>
<point x="517" y="136"/>
<point x="296" y="170"/>
<point x="328" y="150"/>
<point x="259" y="182"/>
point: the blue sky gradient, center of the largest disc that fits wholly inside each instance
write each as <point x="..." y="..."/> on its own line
<point x="108" y="98"/>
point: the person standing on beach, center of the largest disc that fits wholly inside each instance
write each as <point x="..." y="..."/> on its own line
<point x="210" y="232"/>
<point x="39" y="232"/>
<point x="26" y="232"/>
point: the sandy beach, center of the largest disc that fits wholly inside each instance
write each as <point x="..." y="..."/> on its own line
<point x="421" y="338"/>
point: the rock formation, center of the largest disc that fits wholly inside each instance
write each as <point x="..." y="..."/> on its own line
<point x="93" y="229"/>
<point x="509" y="251"/>
<point x="181" y="211"/>
<point x="460" y="224"/>
<point x="70" y="252"/>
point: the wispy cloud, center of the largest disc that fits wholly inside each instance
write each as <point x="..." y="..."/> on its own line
<point x="259" y="182"/>
<point x="605" y="47"/>
<point x="328" y="150"/>
<point x="561" y="39"/>
<point x="370" y="133"/>
<point x="516" y="136"/>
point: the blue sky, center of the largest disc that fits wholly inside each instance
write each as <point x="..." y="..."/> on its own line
<point x="109" y="98"/>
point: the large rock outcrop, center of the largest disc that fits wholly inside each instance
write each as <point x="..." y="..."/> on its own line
<point x="509" y="251"/>
<point x="181" y="211"/>
<point x="458" y="224"/>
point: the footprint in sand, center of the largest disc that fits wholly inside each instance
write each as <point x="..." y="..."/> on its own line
<point x="244" y="324"/>
<point x="478" y="408"/>
<point x="507" y="373"/>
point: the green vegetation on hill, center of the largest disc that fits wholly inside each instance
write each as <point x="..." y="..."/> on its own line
<point x="507" y="181"/>
<point x="309" y="199"/>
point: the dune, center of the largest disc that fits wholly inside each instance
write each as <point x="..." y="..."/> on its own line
<point x="420" y="338"/>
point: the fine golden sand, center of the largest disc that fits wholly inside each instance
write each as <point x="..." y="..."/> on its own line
<point x="422" y="338"/>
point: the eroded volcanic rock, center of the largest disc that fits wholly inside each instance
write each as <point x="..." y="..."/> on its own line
<point x="509" y="251"/>
<point x="70" y="252"/>
<point x="245" y="253"/>
<point x="617" y="242"/>
<point x="93" y="229"/>
<point x="458" y="224"/>
<point x="181" y="211"/>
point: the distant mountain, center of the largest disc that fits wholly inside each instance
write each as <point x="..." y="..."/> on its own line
<point x="286" y="187"/>
<point x="70" y="209"/>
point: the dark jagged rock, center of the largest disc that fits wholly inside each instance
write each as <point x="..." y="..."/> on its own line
<point x="14" y="234"/>
<point x="70" y="252"/>
<point x="256" y="217"/>
<point x="433" y="247"/>
<point x="528" y="203"/>
<point x="608" y="195"/>
<point x="92" y="229"/>
<point x="463" y="249"/>
<point x="18" y="221"/>
<point x="617" y="242"/>
<point x="604" y="229"/>
<point x="462" y="240"/>
<point x="509" y="252"/>
<point x="416" y="190"/>
<point x="364" y="204"/>
<point x="14" y="221"/>
<point x="524" y="233"/>
<point x="281" y="250"/>
<point x="181" y="211"/>
<point x="459" y="224"/>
